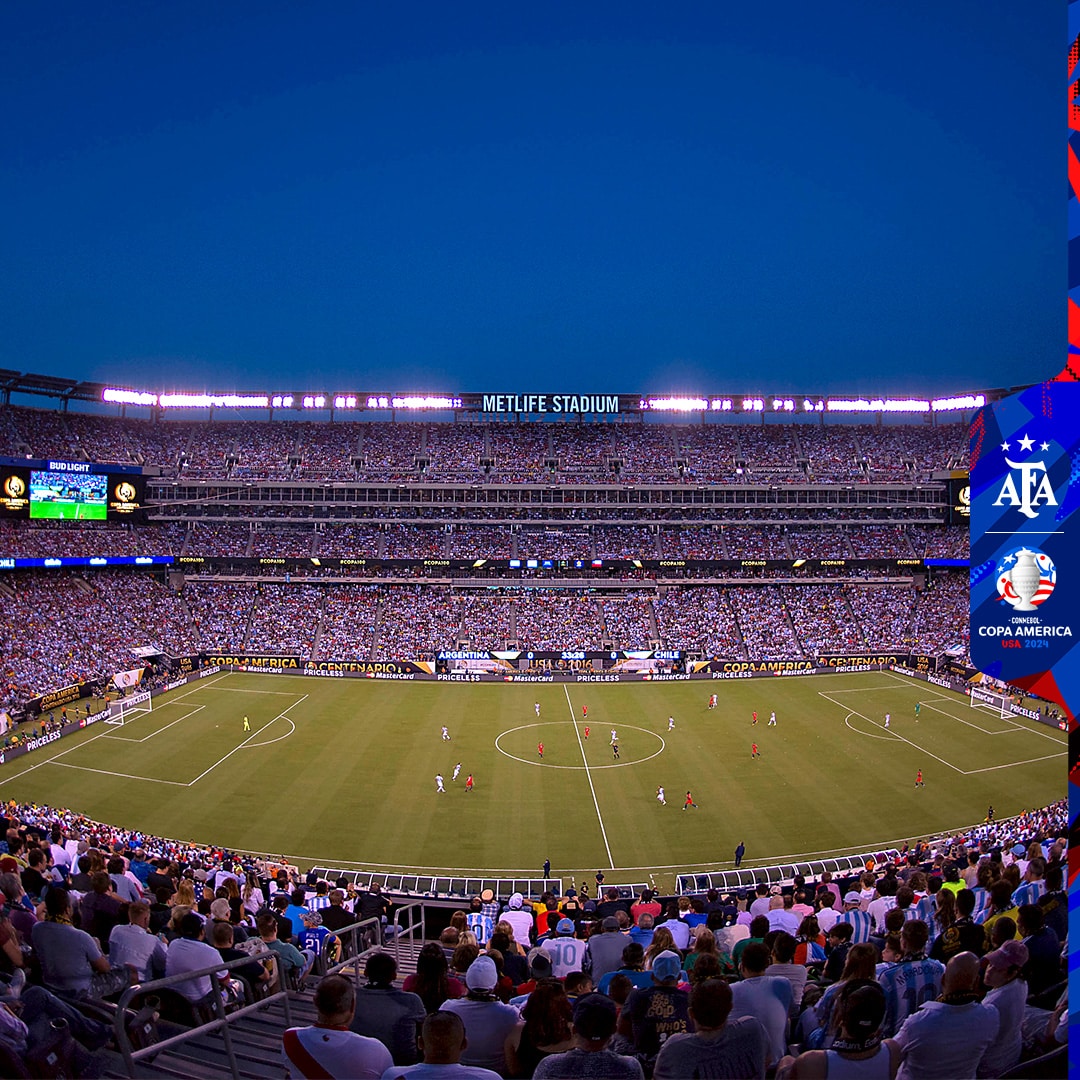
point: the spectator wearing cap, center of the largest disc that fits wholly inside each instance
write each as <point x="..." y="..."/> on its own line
<point x="768" y="997"/>
<point x="520" y="919"/>
<point x="386" y="1013"/>
<point x="647" y="904"/>
<point x="947" y="1037"/>
<point x="488" y="1022"/>
<point x="858" y="1050"/>
<point x="716" y="1047"/>
<point x="860" y="920"/>
<point x="654" y="1013"/>
<point x="1003" y="972"/>
<point x="567" y="953"/>
<point x="595" y="1018"/>
<point x="489" y="905"/>
<point x="604" y="951"/>
<point x="539" y="969"/>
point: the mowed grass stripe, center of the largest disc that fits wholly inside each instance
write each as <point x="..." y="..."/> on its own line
<point x="355" y="782"/>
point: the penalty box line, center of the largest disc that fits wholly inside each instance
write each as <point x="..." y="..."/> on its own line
<point x="588" y="776"/>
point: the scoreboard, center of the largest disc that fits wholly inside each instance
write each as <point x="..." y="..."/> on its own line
<point x="71" y="491"/>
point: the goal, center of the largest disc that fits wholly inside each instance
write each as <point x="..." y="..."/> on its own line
<point x="992" y="700"/>
<point x="126" y="708"/>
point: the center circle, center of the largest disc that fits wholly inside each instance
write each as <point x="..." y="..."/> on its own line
<point x="563" y="727"/>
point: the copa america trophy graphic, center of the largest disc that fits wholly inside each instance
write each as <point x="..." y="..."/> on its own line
<point x="1025" y="576"/>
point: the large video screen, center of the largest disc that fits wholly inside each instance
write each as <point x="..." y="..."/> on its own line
<point x="66" y="496"/>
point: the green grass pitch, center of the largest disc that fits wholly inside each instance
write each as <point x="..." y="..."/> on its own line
<point x="342" y="771"/>
<point x="68" y="510"/>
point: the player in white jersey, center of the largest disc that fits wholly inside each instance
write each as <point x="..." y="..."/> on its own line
<point x="457" y="770"/>
<point x="439" y="789"/>
<point x="536" y="706"/>
<point x="445" y="734"/>
<point x="671" y="723"/>
<point x="712" y="702"/>
<point x="772" y="720"/>
<point x="888" y="719"/>
<point x="614" y="736"/>
<point x="660" y="796"/>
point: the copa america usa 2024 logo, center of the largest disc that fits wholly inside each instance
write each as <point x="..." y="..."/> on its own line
<point x="1026" y="578"/>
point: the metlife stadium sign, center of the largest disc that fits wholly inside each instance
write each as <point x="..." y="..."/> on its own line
<point x="1025" y="575"/>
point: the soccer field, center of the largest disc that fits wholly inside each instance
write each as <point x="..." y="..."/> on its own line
<point x="342" y="771"/>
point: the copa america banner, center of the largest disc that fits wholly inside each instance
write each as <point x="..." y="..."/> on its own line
<point x="1025" y="577"/>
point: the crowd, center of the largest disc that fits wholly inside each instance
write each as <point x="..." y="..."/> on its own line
<point x="949" y="960"/>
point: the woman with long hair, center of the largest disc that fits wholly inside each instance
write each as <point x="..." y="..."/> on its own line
<point x="811" y="942"/>
<point x="661" y="941"/>
<point x="818" y="1025"/>
<point x="945" y="915"/>
<point x="432" y="983"/>
<point x="544" y="1029"/>
<point x="702" y="943"/>
<point x="252" y="895"/>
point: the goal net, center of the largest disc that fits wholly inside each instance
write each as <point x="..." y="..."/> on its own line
<point x="126" y="708"/>
<point x="991" y="700"/>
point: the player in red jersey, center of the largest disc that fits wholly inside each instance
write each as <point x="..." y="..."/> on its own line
<point x="754" y="752"/>
<point x="918" y="779"/>
<point x="468" y="782"/>
<point x="540" y="748"/>
<point x="584" y="712"/>
<point x="690" y="802"/>
<point x="755" y="716"/>
<point x="586" y="731"/>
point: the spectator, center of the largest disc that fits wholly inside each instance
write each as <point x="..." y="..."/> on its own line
<point x="442" y="1042"/>
<point x="716" y="1048"/>
<point x="653" y="1014"/>
<point x="768" y="997"/>
<point x="392" y="1016"/>
<point x="488" y="1022"/>
<point x="431" y="983"/>
<point x="1003" y="973"/>
<point x="544" y="1029"/>
<point x="595" y="1018"/>
<point x="911" y="982"/>
<point x="133" y="945"/>
<point x="604" y="950"/>
<point x="189" y="953"/>
<point x="947" y="1038"/>
<point x="290" y="959"/>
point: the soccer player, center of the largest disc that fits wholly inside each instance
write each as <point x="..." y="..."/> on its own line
<point x="584" y="712"/>
<point x="247" y="724"/>
<point x="457" y="771"/>
<point x="615" y="750"/>
<point x="439" y="789"/>
<point x="660" y="796"/>
<point x="772" y="720"/>
<point x="888" y="720"/>
<point x="540" y="748"/>
<point x="586" y="731"/>
<point x="614" y="736"/>
<point x="754" y="752"/>
<point x="918" y="706"/>
<point x="712" y="702"/>
<point x="754" y="715"/>
<point x="445" y="734"/>
<point x="468" y="782"/>
<point x="536" y="706"/>
<point x="671" y="723"/>
<point x="690" y="802"/>
<point x="919" y="779"/>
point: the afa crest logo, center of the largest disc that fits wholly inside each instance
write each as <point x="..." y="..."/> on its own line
<point x="1030" y="490"/>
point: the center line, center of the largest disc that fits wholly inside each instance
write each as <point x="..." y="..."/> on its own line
<point x="588" y="775"/>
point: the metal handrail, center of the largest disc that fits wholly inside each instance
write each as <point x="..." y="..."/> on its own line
<point x="221" y="1021"/>
<point x="353" y="932"/>
<point x="409" y="931"/>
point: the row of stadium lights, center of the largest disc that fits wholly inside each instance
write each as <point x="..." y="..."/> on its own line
<point x="655" y="404"/>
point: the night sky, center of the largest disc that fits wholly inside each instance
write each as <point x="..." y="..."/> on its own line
<point x="562" y="197"/>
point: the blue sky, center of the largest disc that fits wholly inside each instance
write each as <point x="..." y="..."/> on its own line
<point x="603" y="197"/>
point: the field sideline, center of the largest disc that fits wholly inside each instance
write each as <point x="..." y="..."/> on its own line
<point x="342" y="771"/>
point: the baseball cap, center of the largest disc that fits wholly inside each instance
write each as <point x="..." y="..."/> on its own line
<point x="852" y="898"/>
<point x="594" y="1017"/>
<point x="666" y="966"/>
<point x="540" y="964"/>
<point x="564" y="926"/>
<point x="515" y="901"/>
<point x="1010" y="954"/>
<point x="487" y="896"/>
<point x="482" y="974"/>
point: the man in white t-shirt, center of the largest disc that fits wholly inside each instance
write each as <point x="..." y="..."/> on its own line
<point x="190" y="953"/>
<point x="132" y="943"/>
<point x="328" y="1047"/>
<point x="520" y="919"/>
<point x="442" y="1043"/>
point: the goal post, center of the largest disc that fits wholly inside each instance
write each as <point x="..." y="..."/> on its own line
<point x="990" y="699"/>
<point x="123" y="709"/>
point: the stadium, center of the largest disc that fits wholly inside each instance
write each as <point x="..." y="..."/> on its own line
<point x="468" y="643"/>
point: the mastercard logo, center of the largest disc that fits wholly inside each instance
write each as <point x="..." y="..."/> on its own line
<point x="14" y="487"/>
